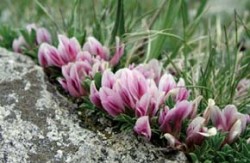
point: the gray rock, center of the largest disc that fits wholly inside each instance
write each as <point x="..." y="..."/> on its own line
<point x="36" y="124"/>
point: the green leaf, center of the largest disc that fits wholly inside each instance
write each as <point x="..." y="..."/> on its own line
<point x="245" y="150"/>
<point x="185" y="13"/>
<point x="98" y="80"/>
<point x="72" y="21"/>
<point x="208" y="161"/>
<point x="165" y="22"/>
<point x="194" y="158"/>
<point x="125" y="119"/>
<point x="119" y="27"/>
<point x="201" y="8"/>
<point x="80" y="35"/>
<point x="25" y="35"/>
<point x="86" y="83"/>
<point x="7" y="35"/>
<point x="32" y="37"/>
<point x="170" y="102"/>
<point x="87" y="104"/>
<point x="43" y="8"/>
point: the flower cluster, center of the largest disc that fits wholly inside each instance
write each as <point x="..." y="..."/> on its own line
<point x="131" y="92"/>
<point x="227" y="120"/>
<point x="78" y="63"/>
<point x="42" y="35"/>
<point x="150" y="96"/>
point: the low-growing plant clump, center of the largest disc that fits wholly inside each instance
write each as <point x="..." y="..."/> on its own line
<point x="187" y="93"/>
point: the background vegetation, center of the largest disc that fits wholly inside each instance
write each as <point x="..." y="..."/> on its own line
<point x="205" y="42"/>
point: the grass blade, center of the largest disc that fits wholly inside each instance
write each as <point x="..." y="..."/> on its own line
<point x="119" y="27"/>
<point x="47" y="13"/>
<point x="166" y="22"/>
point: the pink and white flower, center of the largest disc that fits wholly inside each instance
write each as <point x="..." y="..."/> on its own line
<point x="172" y="141"/>
<point x="18" y="44"/>
<point x="49" y="56"/>
<point x="94" y="95"/>
<point x="171" y="120"/>
<point x="68" y="48"/>
<point x="74" y="74"/>
<point x="142" y="127"/>
<point x="229" y="120"/>
<point x="94" y="47"/>
<point x="108" y="79"/>
<point x="182" y="93"/>
<point x="167" y="83"/>
<point x="43" y="35"/>
<point x="196" y="132"/>
<point x="111" y="101"/>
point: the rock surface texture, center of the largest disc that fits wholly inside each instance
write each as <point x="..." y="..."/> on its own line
<point x="36" y="124"/>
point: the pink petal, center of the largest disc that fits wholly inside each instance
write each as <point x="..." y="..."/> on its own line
<point x="183" y="93"/>
<point x="42" y="35"/>
<point x="18" y="44"/>
<point x="121" y="87"/>
<point x="218" y="119"/>
<point x="94" y="95"/>
<point x="142" y="127"/>
<point x="167" y="121"/>
<point x="74" y="75"/>
<point x="42" y="56"/>
<point x="74" y="87"/>
<point x="248" y="119"/>
<point x="244" y="120"/>
<point x="167" y="83"/>
<point x="163" y="114"/>
<point x="49" y="56"/>
<point x="182" y="110"/>
<point x="93" y="46"/>
<point x="235" y="131"/>
<point x="193" y="135"/>
<point x="137" y="84"/>
<point x="66" y="70"/>
<point x="84" y="56"/>
<point x="111" y="101"/>
<point x="142" y="105"/>
<point x="157" y="98"/>
<point x="68" y="48"/>
<point x="173" y="120"/>
<point x="229" y="112"/>
<point x="108" y="79"/>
